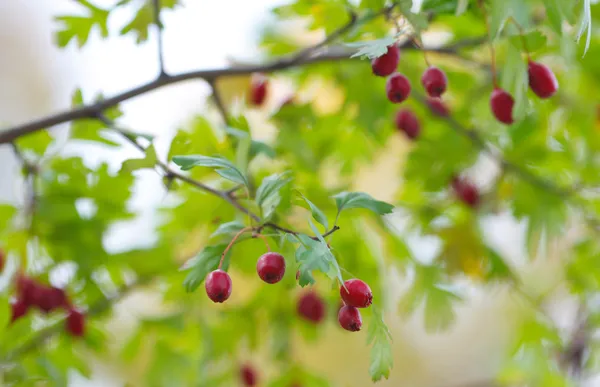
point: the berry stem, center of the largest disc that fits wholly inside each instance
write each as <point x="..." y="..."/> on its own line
<point x="492" y="51"/>
<point x="264" y="238"/>
<point x="245" y="229"/>
<point x="521" y="35"/>
<point x="419" y="43"/>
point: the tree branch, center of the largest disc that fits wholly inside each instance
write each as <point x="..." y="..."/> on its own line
<point x="303" y="57"/>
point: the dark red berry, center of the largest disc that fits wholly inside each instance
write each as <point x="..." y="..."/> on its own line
<point x="248" y="376"/>
<point x="466" y="191"/>
<point x="356" y="293"/>
<point x="408" y="122"/>
<point x="29" y="290"/>
<point x="19" y="308"/>
<point x="258" y="89"/>
<point x="75" y="323"/>
<point x="271" y="267"/>
<point x="434" y="81"/>
<point x="542" y="80"/>
<point x="350" y="319"/>
<point x="438" y="107"/>
<point x="502" y="104"/>
<point x="218" y="285"/>
<point x="397" y="88"/>
<point x="51" y="298"/>
<point x="311" y="307"/>
<point x="387" y="63"/>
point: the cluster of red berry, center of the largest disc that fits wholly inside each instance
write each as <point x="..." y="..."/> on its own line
<point x="31" y="293"/>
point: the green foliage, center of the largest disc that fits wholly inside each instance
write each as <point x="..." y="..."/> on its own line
<point x="70" y="209"/>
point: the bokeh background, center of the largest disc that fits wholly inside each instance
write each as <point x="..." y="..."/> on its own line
<point x="37" y="78"/>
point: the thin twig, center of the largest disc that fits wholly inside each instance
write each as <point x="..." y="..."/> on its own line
<point x="159" y="28"/>
<point x="219" y="102"/>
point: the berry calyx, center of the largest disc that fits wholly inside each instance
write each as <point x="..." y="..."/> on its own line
<point x="434" y="81"/>
<point x="502" y="104"/>
<point x="542" y="80"/>
<point x="311" y="307"/>
<point x="248" y="376"/>
<point x="437" y="106"/>
<point x="350" y="319"/>
<point x="387" y="63"/>
<point x="271" y="267"/>
<point x="356" y="293"/>
<point x="397" y="88"/>
<point x="407" y="122"/>
<point x="466" y="191"/>
<point x="75" y="323"/>
<point x="218" y="286"/>
<point x="258" y="89"/>
<point x="19" y="309"/>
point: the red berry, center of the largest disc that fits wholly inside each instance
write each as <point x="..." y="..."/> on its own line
<point x="438" y="107"/>
<point x="258" y="89"/>
<point x="271" y="267"/>
<point x="408" y="122"/>
<point x="311" y="307"/>
<point x="434" y="81"/>
<point x="218" y="285"/>
<point x="466" y="191"/>
<point x="51" y="298"/>
<point x="356" y="293"/>
<point x="502" y="104"/>
<point x="542" y="80"/>
<point x="349" y="318"/>
<point x="387" y="63"/>
<point x="75" y="323"/>
<point x="397" y="88"/>
<point x="29" y="291"/>
<point x="248" y="376"/>
<point x="19" y="309"/>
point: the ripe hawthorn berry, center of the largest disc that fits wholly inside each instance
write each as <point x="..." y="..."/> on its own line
<point x="434" y="81"/>
<point x="51" y="298"/>
<point x="271" y="267"/>
<point x="397" y="88"/>
<point x="407" y="122"/>
<point x="502" y="104"/>
<point x="466" y="191"/>
<point x="75" y="323"/>
<point x="349" y="318"/>
<point x="311" y="307"/>
<point x="248" y="376"/>
<point x="387" y="63"/>
<point x="19" y="309"/>
<point x="29" y="290"/>
<point x="437" y="106"/>
<point x="356" y="293"/>
<point x="218" y="286"/>
<point x="258" y="89"/>
<point x="542" y="80"/>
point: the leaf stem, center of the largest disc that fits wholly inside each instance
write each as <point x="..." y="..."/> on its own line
<point x="491" y="43"/>
<point x="521" y="35"/>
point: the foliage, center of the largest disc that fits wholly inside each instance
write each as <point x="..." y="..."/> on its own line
<point x="225" y="181"/>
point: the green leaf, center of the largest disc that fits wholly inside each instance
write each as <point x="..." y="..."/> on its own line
<point x="371" y="49"/>
<point x="256" y="147"/>
<point x="223" y="166"/>
<point x="205" y="262"/>
<point x="317" y="214"/>
<point x="229" y="228"/>
<point x="147" y="162"/>
<point x="36" y="142"/>
<point x="139" y="26"/>
<point x="500" y="11"/>
<point x="534" y="40"/>
<point x="348" y="200"/>
<point x="315" y="255"/>
<point x="380" y="338"/>
<point x="586" y="24"/>
<point x="7" y="213"/>
<point x="267" y="194"/>
<point x="417" y="21"/>
<point x="80" y="27"/>
<point x="91" y="129"/>
<point x="557" y="11"/>
<point x="515" y="81"/>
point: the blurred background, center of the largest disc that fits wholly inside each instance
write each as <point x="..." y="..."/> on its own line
<point x="37" y="79"/>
